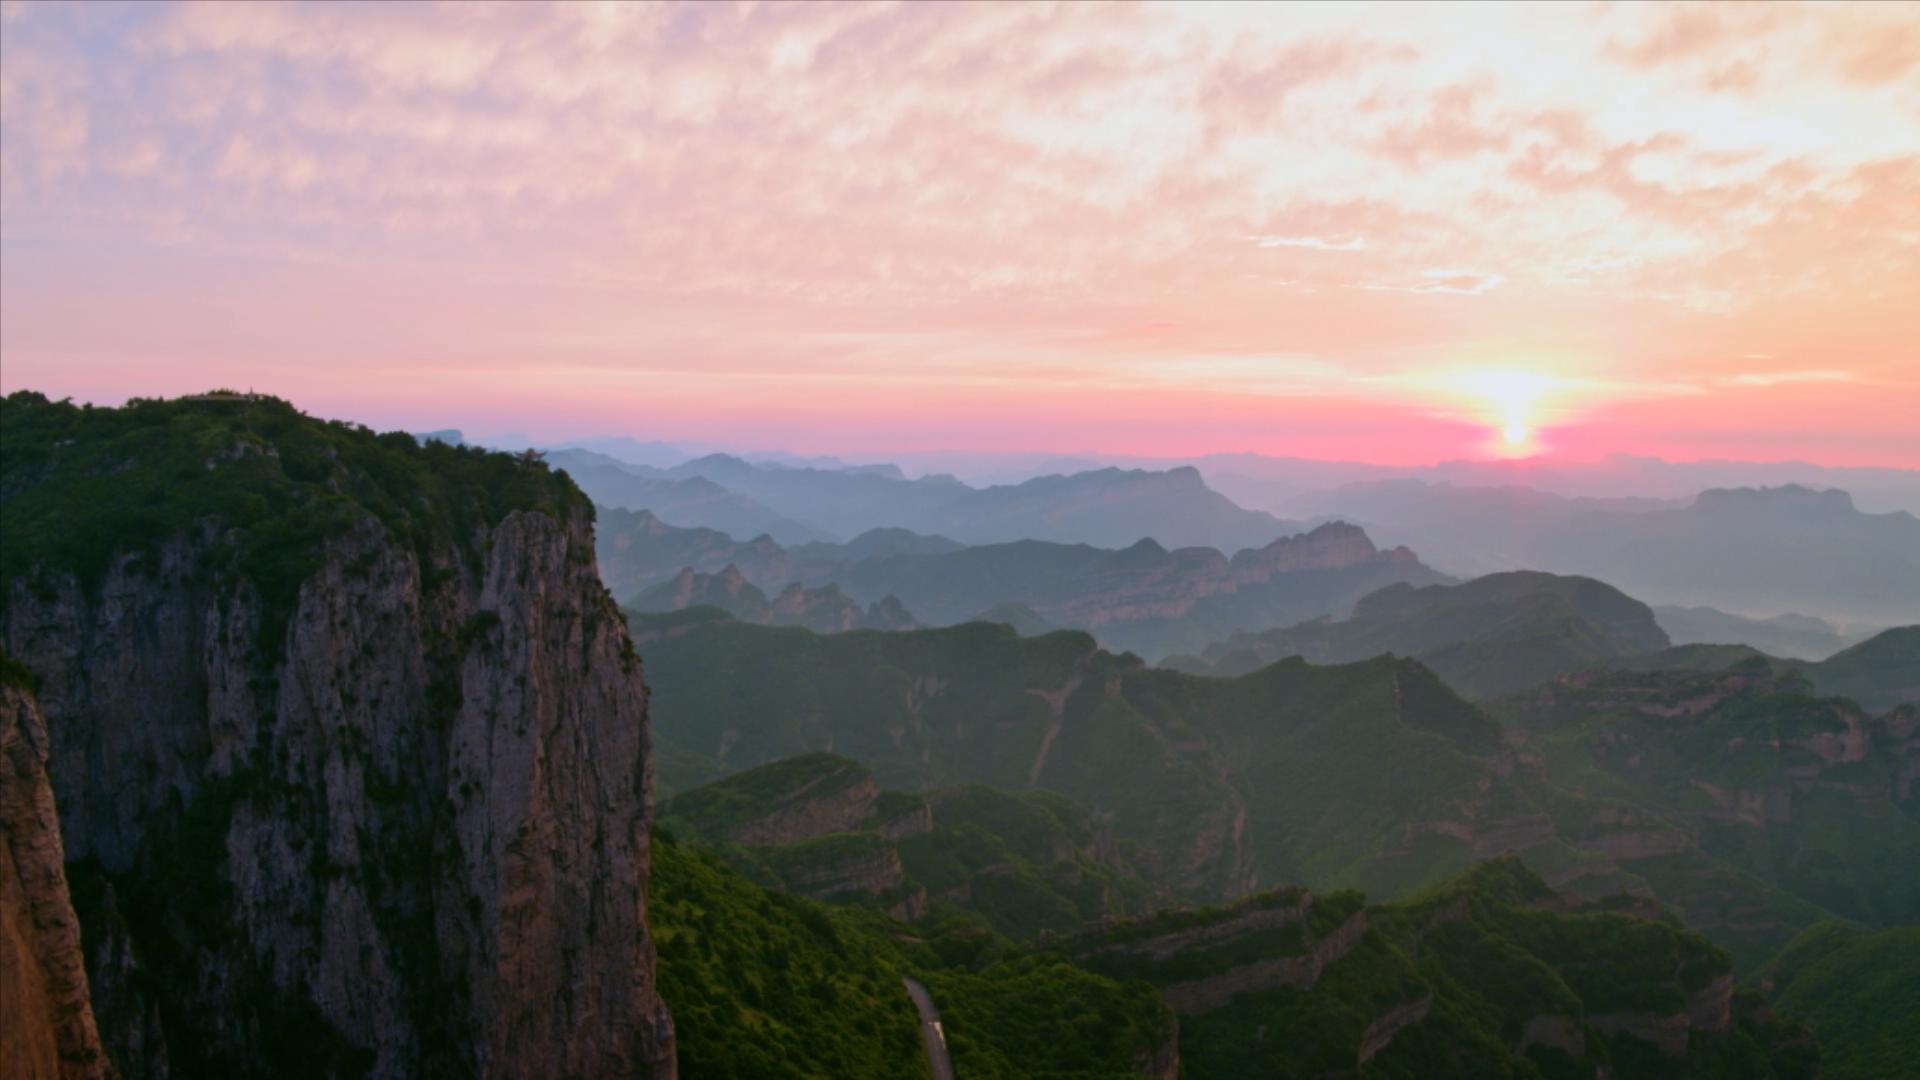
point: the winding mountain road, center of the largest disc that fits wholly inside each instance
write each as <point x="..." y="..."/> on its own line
<point x="936" y="1039"/>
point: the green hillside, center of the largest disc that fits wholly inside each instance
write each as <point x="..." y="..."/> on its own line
<point x="1371" y="775"/>
<point x="1293" y="773"/>
<point x="763" y="984"/>
<point x="1860" y="992"/>
<point x="1879" y="673"/>
<point x="1490" y="974"/>
<point x="1487" y="636"/>
<point x="1021" y="863"/>
<point x="1798" y="791"/>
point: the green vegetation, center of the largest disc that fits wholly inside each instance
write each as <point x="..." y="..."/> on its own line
<point x="87" y="488"/>
<point x="1371" y="775"/>
<point x="715" y="811"/>
<point x="1328" y="765"/>
<point x="1860" y="992"/>
<point x="763" y="984"/>
<point x="1028" y="863"/>
<point x="1879" y="673"/>
<point x="1045" y="1019"/>
<point x="1489" y="974"/>
<point x="1023" y="863"/>
<point x="1789" y="795"/>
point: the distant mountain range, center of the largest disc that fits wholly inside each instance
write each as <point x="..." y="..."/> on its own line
<point x="824" y="609"/>
<point x="1273" y="483"/>
<point x="1506" y="632"/>
<point x="1801" y="637"/>
<point x="1108" y="507"/>
<point x="1785" y="549"/>
<point x="1143" y="598"/>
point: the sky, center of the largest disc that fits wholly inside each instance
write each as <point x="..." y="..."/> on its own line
<point x="1397" y="234"/>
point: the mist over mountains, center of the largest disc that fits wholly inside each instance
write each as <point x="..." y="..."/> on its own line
<point x="1110" y="507"/>
<point x="1272" y="483"/>
<point x="399" y="705"/>
<point x="1748" y="553"/>
<point x="1756" y="551"/>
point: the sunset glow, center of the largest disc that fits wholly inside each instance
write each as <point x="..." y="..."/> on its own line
<point x="1401" y="234"/>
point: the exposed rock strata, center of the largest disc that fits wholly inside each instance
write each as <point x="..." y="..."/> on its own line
<point x="1709" y="1010"/>
<point x="416" y="822"/>
<point x="1162" y="947"/>
<point x="1300" y="972"/>
<point x="829" y="803"/>
<point x="1384" y="1027"/>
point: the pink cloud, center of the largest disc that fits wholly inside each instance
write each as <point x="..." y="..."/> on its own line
<point x="954" y="212"/>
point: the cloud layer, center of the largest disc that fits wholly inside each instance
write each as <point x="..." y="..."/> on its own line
<point x="1066" y="226"/>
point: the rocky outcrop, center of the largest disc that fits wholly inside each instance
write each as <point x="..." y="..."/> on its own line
<point x="873" y="869"/>
<point x="1668" y="1033"/>
<point x="1754" y="809"/>
<point x="1163" y="1061"/>
<point x="915" y="818"/>
<point x="1485" y="839"/>
<point x="637" y="550"/>
<point x="401" y="827"/>
<point x="1899" y="732"/>
<point x="1562" y="1033"/>
<point x="49" y="1028"/>
<point x="1301" y="972"/>
<point x="1390" y="1023"/>
<point x="1709" y="1010"/>
<point x="1332" y="546"/>
<point x="1255" y="918"/>
<point x="833" y="802"/>
<point x="1711" y="1007"/>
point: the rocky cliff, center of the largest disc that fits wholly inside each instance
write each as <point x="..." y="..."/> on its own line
<point x="49" y="1029"/>
<point x="356" y="786"/>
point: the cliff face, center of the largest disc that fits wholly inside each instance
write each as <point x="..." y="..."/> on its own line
<point x="49" y="1029"/>
<point x="407" y="834"/>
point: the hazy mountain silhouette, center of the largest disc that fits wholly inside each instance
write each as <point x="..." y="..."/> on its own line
<point x="1488" y="636"/>
<point x="1799" y="636"/>
<point x="1786" y="549"/>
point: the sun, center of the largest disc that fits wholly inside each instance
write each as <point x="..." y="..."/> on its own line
<point x="1508" y="400"/>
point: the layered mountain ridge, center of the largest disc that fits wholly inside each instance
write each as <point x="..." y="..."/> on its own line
<point x="1144" y="597"/>
<point x="1491" y="635"/>
<point x="1788" y="548"/>
<point x="1109" y="506"/>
